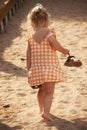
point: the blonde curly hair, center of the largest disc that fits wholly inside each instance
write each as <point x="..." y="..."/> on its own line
<point x="39" y="14"/>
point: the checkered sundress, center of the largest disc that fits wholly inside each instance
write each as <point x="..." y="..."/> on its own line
<point x="45" y="66"/>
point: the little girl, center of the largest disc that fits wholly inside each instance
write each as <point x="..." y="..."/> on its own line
<point x="42" y="62"/>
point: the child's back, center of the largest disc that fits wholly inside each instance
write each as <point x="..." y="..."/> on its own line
<point x="40" y="34"/>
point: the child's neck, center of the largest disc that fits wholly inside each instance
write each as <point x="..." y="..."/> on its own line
<point x="40" y="27"/>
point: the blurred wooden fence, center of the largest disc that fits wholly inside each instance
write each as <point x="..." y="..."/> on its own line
<point x="7" y="9"/>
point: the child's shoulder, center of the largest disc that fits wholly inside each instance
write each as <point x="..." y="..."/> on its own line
<point x="49" y="29"/>
<point x="28" y="37"/>
<point x="51" y="32"/>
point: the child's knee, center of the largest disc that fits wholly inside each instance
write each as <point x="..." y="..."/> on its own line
<point x="50" y="90"/>
<point x="49" y="87"/>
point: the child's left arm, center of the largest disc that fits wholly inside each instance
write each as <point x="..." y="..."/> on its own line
<point x="56" y="45"/>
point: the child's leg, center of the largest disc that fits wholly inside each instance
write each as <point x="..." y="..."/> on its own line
<point x="40" y="97"/>
<point x="49" y="90"/>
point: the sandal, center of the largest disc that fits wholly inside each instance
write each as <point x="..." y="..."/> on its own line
<point x="72" y="62"/>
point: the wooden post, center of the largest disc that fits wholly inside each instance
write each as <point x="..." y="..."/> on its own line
<point x="2" y="28"/>
<point x="19" y="3"/>
<point x="13" y="10"/>
<point x="16" y="6"/>
<point x="7" y="11"/>
<point x="6" y="20"/>
<point x="22" y="1"/>
<point x="10" y="14"/>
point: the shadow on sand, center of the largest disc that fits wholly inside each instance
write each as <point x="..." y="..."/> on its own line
<point x="6" y="40"/>
<point x="4" y="126"/>
<point x="67" y="9"/>
<point x="62" y="124"/>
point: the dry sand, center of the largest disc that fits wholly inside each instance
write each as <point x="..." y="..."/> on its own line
<point x="18" y="102"/>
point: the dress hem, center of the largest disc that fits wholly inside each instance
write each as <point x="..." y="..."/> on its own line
<point x="58" y="81"/>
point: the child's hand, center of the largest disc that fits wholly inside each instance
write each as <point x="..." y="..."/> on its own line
<point x="66" y="51"/>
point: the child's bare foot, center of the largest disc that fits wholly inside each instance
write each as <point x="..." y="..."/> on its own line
<point x="46" y="117"/>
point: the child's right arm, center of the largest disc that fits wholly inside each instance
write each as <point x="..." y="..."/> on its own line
<point x="56" y="45"/>
<point x="28" y="56"/>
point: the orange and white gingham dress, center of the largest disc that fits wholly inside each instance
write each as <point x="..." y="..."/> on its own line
<point x="45" y="66"/>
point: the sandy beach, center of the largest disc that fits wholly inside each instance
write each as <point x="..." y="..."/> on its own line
<point x="18" y="102"/>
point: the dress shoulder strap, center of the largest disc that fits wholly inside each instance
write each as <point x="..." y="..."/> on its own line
<point x="51" y="33"/>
